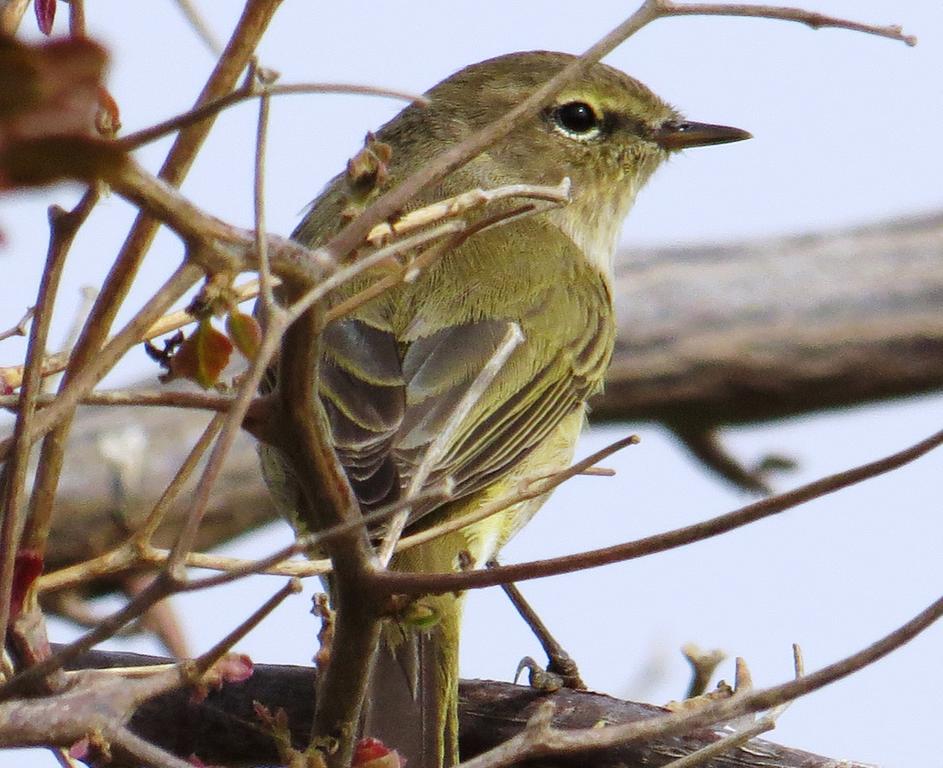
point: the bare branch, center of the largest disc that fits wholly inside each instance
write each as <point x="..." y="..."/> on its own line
<point x="201" y="113"/>
<point x="809" y="18"/>
<point x="19" y="329"/>
<point x="544" y="740"/>
<point x="438" y="583"/>
<point x="223" y="730"/>
<point x="64" y="227"/>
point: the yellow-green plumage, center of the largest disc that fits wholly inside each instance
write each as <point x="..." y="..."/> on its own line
<point x="393" y="371"/>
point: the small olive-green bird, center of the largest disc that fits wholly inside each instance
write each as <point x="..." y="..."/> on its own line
<point x="394" y="370"/>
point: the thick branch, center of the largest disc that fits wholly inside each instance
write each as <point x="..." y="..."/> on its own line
<point x="225" y="730"/>
<point x="758" y="330"/>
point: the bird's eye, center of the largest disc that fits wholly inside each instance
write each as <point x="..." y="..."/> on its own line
<point x="577" y="119"/>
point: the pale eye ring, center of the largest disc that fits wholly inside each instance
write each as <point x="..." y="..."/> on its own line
<point x="578" y="120"/>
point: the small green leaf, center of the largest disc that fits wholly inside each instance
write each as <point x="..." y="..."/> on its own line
<point x="420" y="615"/>
<point x="245" y="333"/>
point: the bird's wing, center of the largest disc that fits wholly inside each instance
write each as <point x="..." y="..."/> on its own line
<point x="388" y="401"/>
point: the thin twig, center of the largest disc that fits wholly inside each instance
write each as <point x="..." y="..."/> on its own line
<point x="541" y="739"/>
<point x="528" y="488"/>
<point x="227" y="436"/>
<point x="388" y="252"/>
<point x="138" y="554"/>
<point x="143" y="750"/>
<point x="163" y="398"/>
<point x="724" y="745"/>
<point x="64" y="758"/>
<point x="156" y="516"/>
<point x="468" y="201"/>
<point x="199" y="114"/>
<point x="220" y="649"/>
<point x="439" y="583"/>
<point x="63" y="228"/>
<point x="809" y="18"/>
<point x="200" y="27"/>
<point x="21" y="325"/>
<point x="87" y="300"/>
<point x="258" y="192"/>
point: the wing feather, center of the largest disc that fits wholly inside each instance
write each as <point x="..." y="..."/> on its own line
<point x="382" y="431"/>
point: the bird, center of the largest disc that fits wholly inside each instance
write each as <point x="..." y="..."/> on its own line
<point x="393" y="370"/>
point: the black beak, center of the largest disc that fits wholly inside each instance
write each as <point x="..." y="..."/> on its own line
<point x="681" y="135"/>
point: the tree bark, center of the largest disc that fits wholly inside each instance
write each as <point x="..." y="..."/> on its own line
<point x="224" y="729"/>
<point x="759" y="330"/>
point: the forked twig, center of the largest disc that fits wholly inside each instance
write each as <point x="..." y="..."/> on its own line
<point x="19" y="329"/>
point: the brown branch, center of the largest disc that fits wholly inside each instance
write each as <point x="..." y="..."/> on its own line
<point x="439" y="583"/>
<point x="63" y="228"/>
<point x="328" y="500"/>
<point x="198" y="114"/>
<point x="117" y="398"/>
<point x="847" y="317"/>
<point x="809" y="18"/>
<point x="543" y="739"/>
<point x="224" y="729"/>
<point x="200" y="27"/>
<point x="214" y="654"/>
<point x="253" y="22"/>
<point x="21" y="325"/>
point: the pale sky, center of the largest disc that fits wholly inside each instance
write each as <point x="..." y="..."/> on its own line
<point x="847" y="130"/>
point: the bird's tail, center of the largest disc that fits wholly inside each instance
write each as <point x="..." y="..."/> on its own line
<point x="412" y="700"/>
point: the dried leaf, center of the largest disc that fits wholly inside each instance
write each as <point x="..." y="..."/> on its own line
<point x="52" y="104"/>
<point x="245" y="333"/>
<point x="36" y="162"/>
<point x="202" y="356"/>
<point x="61" y="76"/>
